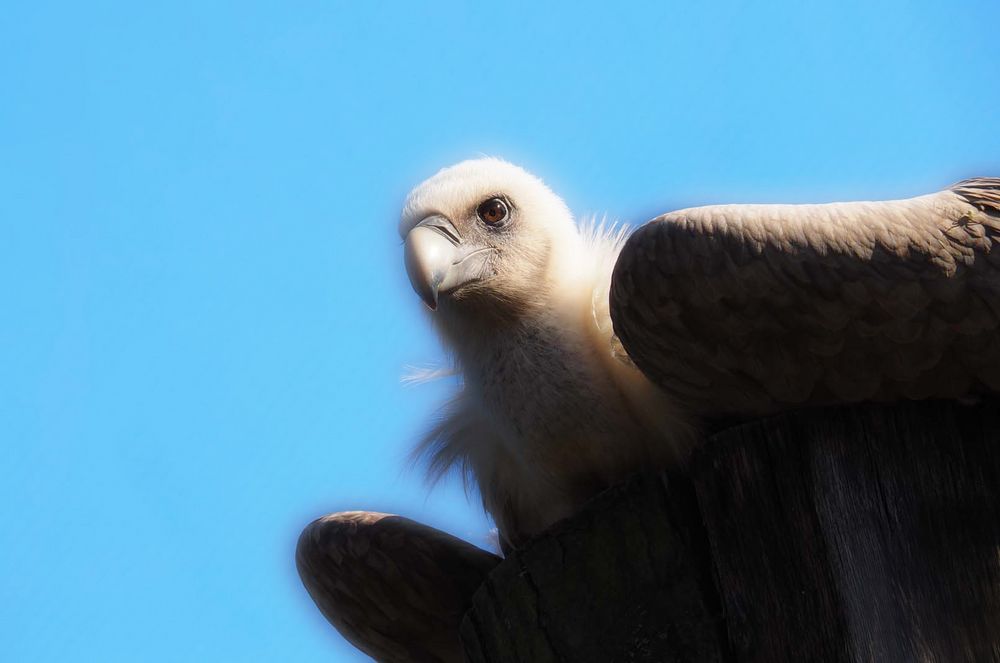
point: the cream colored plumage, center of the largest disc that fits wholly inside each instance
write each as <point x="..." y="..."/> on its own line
<point x="729" y="310"/>
<point x="547" y="413"/>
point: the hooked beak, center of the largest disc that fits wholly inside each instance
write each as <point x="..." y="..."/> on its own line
<point x="438" y="261"/>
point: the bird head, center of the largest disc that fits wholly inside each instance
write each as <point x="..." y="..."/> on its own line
<point x="485" y="235"/>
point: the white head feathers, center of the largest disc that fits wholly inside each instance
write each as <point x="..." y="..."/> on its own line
<point x="547" y="413"/>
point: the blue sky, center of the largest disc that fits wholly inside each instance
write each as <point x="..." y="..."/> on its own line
<point x="204" y="313"/>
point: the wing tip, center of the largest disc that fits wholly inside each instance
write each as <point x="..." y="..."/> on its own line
<point x="982" y="192"/>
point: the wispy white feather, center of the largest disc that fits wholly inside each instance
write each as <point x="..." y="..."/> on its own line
<point x="417" y="375"/>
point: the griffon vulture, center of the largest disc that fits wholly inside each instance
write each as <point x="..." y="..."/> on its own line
<point x="586" y="354"/>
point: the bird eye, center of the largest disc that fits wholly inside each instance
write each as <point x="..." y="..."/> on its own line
<point x="493" y="212"/>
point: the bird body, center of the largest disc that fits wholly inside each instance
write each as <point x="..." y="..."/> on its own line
<point x="584" y="357"/>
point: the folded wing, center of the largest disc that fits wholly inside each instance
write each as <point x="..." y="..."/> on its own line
<point x="395" y="588"/>
<point x="749" y="309"/>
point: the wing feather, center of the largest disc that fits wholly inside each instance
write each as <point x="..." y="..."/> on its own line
<point x="750" y="309"/>
<point x="395" y="588"/>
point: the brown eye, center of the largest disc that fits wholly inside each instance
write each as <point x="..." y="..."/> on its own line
<point x="493" y="212"/>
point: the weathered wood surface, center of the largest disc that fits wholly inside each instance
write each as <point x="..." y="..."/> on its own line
<point x="865" y="533"/>
<point x="620" y="581"/>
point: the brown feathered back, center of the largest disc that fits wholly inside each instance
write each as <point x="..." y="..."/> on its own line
<point x="749" y="309"/>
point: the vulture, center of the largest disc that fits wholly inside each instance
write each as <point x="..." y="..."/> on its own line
<point x="585" y="353"/>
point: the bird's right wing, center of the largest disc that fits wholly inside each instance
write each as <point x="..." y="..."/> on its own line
<point x="741" y="310"/>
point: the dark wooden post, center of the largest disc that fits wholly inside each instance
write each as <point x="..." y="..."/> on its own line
<point x="868" y="533"/>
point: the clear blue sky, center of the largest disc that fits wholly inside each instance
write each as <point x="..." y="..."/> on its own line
<point x="203" y="312"/>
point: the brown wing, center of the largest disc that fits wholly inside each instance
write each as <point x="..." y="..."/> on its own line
<point x="749" y="309"/>
<point x="394" y="588"/>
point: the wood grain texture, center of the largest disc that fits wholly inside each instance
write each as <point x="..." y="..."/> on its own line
<point x="859" y="534"/>
<point x="394" y="588"/>
<point x="749" y="310"/>
<point x="863" y="533"/>
<point x="622" y="580"/>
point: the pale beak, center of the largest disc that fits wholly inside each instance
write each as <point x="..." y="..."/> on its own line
<point x="438" y="261"/>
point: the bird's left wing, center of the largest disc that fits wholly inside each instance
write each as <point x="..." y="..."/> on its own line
<point x="395" y="588"/>
<point x="749" y="309"/>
